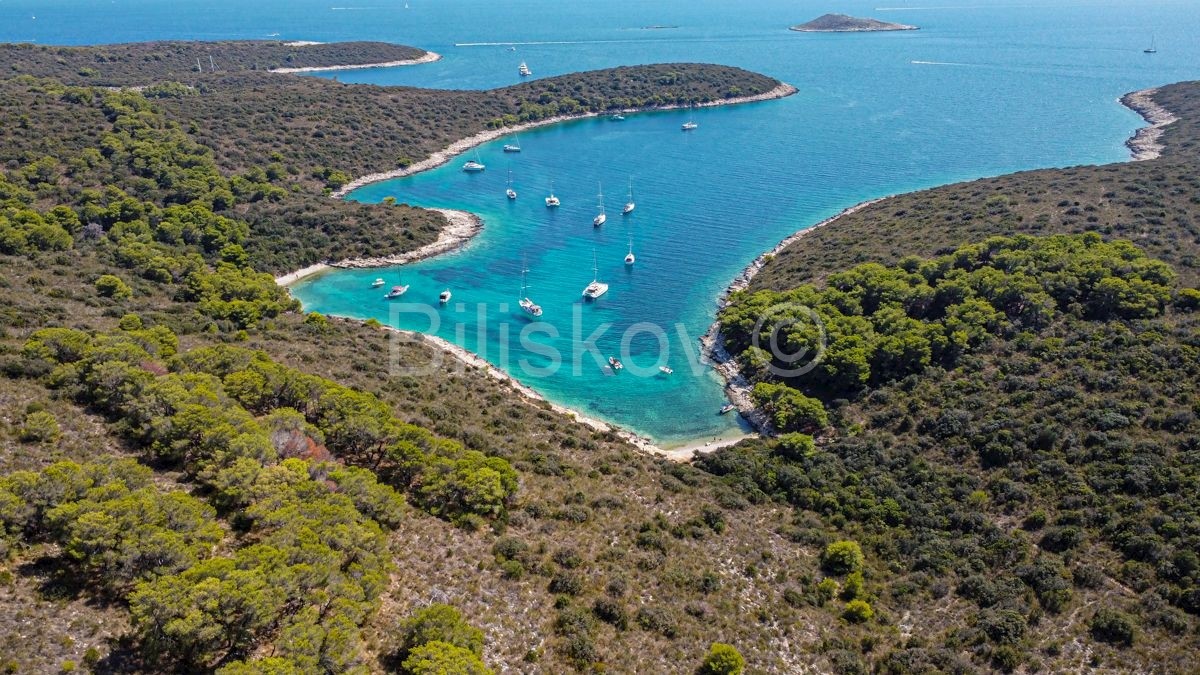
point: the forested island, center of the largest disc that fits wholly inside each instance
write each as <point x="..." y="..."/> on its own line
<point x="841" y="23"/>
<point x="195" y="476"/>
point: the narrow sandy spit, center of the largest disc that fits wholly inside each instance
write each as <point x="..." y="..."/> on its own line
<point x="427" y="57"/>
<point x="458" y="147"/>
<point x="461" y="228"/>
<point x="1145" y="143"/>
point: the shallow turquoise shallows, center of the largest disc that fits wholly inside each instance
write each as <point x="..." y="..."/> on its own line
<point x="983" y="88"/>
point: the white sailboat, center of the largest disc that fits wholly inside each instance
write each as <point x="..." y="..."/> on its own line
<point x="510" y="192"/>
<point x="629" y="204"/>
<point x="691" y="123"/>
<point x="597" y="288"/>
<point x="528" y="306"/>
<point x="629" y="258"/>
<point x="552" y="201"/>
<point x="397" y="291"/>
<point x="1151" y="49"/>
<point x="444" y="296"/>
<point x="474" y="165"/>
<point x="600" y="218"/>
<point x="515" y="146"/>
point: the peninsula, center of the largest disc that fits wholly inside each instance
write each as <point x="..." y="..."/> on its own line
<point x="841" y="23"/>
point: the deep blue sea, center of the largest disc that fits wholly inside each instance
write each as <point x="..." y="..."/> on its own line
<point x="985" y="87"/>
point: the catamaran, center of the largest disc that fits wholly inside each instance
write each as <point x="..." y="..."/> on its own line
<point x="629" y="259"/>
<point x="629" y="204"/>
<point x="474" y="165"/>
<point x="512" y="194"/>
<point x="552" y="201"/>
<point x="597" y="288"/>
<point x="600" y="218"/>
<point x="515" y="146"/>
<point x="523" y="70"/>
<point x="528" y="306"/>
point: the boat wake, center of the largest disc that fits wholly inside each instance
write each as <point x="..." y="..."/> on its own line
<point x="944" y="63"/>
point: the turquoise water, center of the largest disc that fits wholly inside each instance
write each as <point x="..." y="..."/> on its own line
<point x="984" y="88"/>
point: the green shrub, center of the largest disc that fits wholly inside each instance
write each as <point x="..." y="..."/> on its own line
<point x="858" y="611"/>
<point x="113" y="287"/>
<point x="842" y="557"/>
<point x="722" y="659"/>
<point x="40" y="427"/>
<point x="1114" y="627"/>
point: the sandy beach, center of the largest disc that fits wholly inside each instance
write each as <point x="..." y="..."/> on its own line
<point x="461" y="228"/>
<point x="469" y="359"/>
<point x="1145" y="143"/>
<point x="458" y="147"/>
<point x="427" y="57"/>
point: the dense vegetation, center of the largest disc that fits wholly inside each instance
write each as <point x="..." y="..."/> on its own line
<point x="1007" y="430"/>
<point x="196" y="477"/>
<point x="143" y="63"/>
<point x="272" y="533"/>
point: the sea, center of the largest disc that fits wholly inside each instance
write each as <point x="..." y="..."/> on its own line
<point x="985" y="87"/>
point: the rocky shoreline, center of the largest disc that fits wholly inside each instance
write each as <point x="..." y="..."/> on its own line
<point x="427" y="57"/>
<point x="1145" y="143"/>
<point x="712" y="343"/>
<point x="458" y="147"/>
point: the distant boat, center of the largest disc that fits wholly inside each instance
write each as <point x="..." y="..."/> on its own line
<point x="528" y="306"/>
<point x="615" y="363"/>
<point x="597" y="288"/>
<point x="600" y="217"/>
<point x="629" y="259"/>
<point x="396" y="292"/>
<point x="512" y="194"/>
<point x="377" y="283"/>
<point x="665" y="370"/>
<point x="552" y="201"/>
<point x="691" y="123"/>
<point x="474" y="165"/>
<point x="515" y="146"/>
<point x="618" y="117"/>
<point x="727" y="408"/>
<point x="512" y="49"/>
<point x="1151" y="49"/>
<point x="523" y="70"/>
<point x="629" y="205"/>
<point x="444" y="296"/>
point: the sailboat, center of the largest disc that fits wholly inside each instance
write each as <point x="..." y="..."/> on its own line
<point x="512" y="194"/>
<point x="552" y="201"/>
<point x="397" y="291"/>
<point x="629" y="204"/>
<point x="629" y="259"/>
<point x="600" y="218"/>
<point x="597" y="288"/>
<point x="523" y="70"/>
<point x="528" y="306"/>
<point x="1151" y="49"/>
<point x="691" y="123"/>
<point x="474" y="165"/>
<point x="515" y="146"/>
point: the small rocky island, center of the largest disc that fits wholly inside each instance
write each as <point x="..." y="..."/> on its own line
<point x="840" y="23"/>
